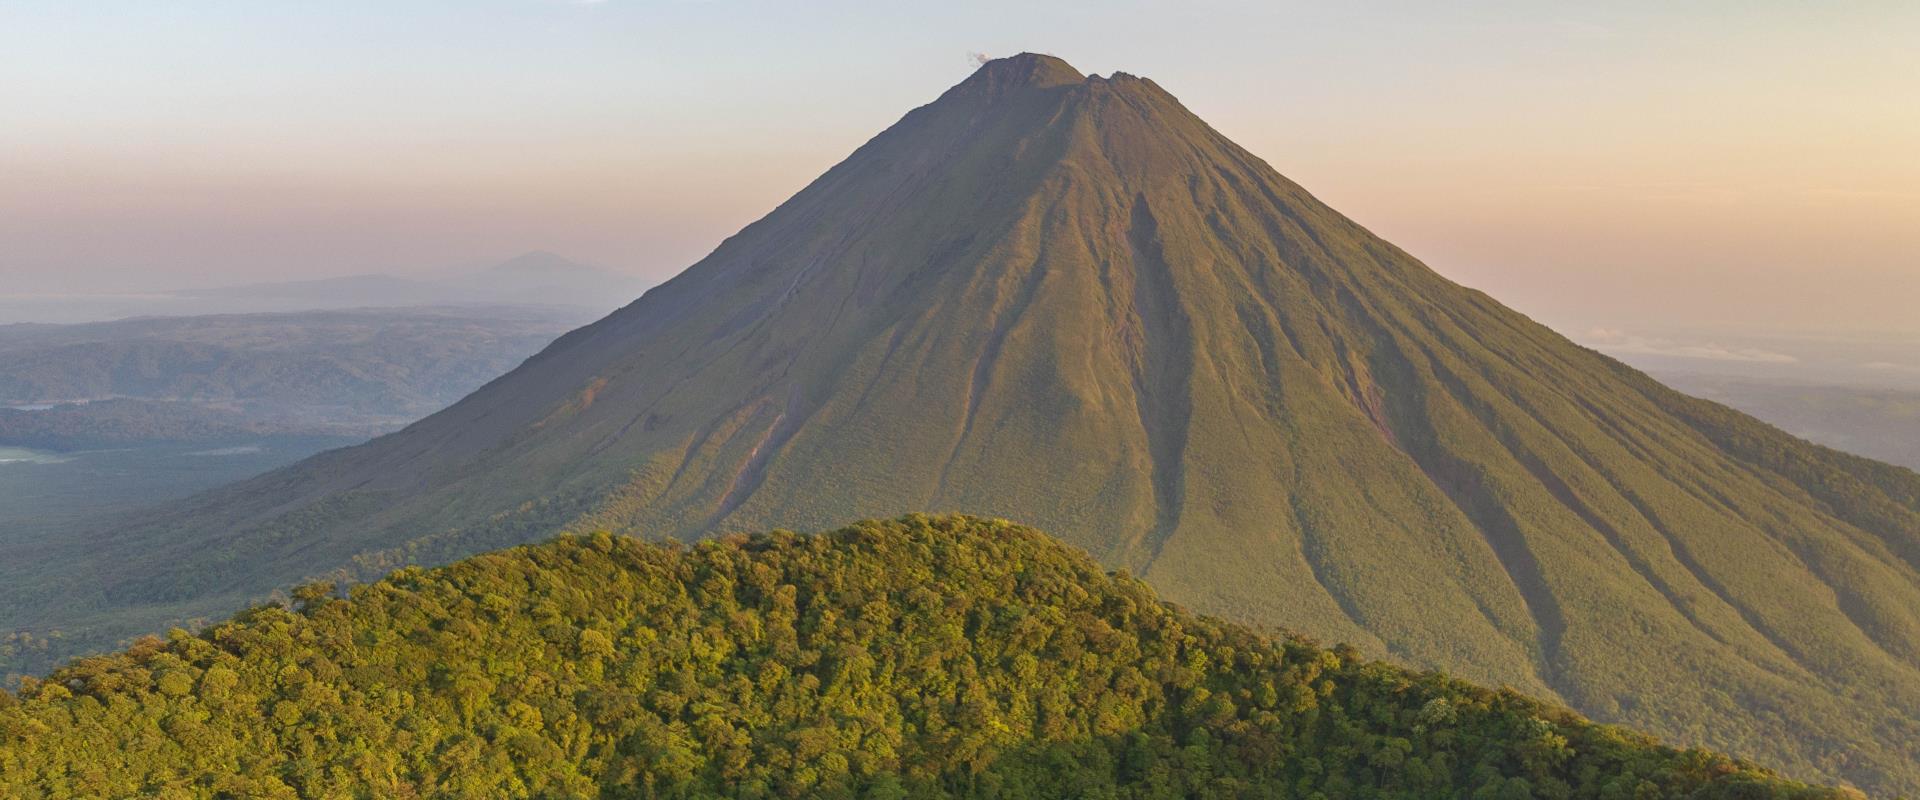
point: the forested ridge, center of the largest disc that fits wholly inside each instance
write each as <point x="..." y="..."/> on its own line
<point x="920" y="657"/>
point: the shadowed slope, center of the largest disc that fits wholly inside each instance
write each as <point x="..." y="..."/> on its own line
<point x="1067" y="300"/>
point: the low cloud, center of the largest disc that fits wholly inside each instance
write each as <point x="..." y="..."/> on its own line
<point x="1614" y="340"/>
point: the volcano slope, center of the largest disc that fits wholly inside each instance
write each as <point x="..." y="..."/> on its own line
<point x="921" y="658"/>
<point x="1067" y="300"/>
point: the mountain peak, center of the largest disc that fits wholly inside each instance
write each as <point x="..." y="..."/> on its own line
<point x="1026" y="70"/>
<point x="543" y="261"/>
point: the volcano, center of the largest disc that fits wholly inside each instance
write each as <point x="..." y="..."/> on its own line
<point x="1066" y="300"/>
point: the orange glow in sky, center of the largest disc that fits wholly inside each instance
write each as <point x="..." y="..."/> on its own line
<point x="1724" y="164"/>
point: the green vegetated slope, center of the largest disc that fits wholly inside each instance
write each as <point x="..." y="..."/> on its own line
<point x="1067" y="300"/>
<point x="949" y="657"/>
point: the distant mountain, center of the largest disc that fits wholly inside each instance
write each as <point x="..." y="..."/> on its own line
<point x="535" y="278"/>
<point x="919" y="658"/>
<point x="1066" y="299"/>
<point x="542" y="268"/>
<point x="543" y="277"/>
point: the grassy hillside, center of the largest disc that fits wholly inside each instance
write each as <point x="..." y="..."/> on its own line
<point x="1067" y="300"/>
<point x="947" y="657"/>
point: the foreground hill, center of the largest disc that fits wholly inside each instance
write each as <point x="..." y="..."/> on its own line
<point x="916" y="658"/>
<point x="1066" y="299"/>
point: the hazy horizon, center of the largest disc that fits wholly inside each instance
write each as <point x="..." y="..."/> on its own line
<point x="1607" y="171"/>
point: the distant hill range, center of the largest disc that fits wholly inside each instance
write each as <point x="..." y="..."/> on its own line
<point x="1887" y="359"/>
<point x="535" y="278"/>
<point x="351" y="372"/>
<point x="1873" y="421"/>
<point x="1065" y="299"/>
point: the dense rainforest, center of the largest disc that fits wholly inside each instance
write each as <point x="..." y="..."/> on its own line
<point x="920" y="657"/>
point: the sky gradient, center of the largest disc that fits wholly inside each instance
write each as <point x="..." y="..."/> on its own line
<point x="1728" y="165"/>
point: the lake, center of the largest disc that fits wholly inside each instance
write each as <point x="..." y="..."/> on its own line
<point x="28" y="456"/>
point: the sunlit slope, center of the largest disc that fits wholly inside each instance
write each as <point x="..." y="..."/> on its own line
<point x="948" y="657"/>
<point x="1067" y="300"/>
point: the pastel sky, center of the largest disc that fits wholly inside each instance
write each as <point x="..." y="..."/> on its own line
<point x="1596" y="164"/>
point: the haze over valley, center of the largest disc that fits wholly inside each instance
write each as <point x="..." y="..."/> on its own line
<point x="100" y="420"/>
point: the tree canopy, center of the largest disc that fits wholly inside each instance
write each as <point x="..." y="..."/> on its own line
<point x="919" y="657"/>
